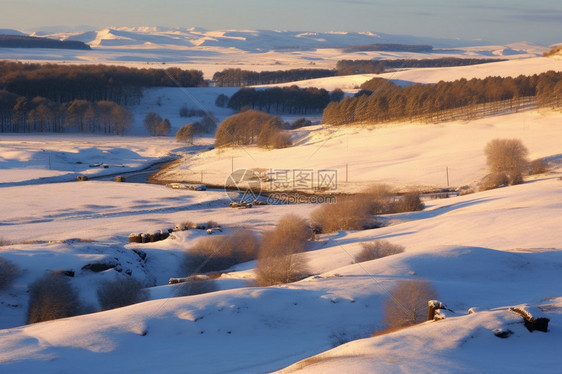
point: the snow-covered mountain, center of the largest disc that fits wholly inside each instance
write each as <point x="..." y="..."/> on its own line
<point x="247" y="40"/>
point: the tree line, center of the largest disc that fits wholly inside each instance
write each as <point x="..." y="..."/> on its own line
<point x="64" y="83"/>
<point x="292" y="100"/>
<point x="24" y="41"/>
<point x="350" y="67"/>
<point x="422" y="101"/>
<point x="83" y="98"/>
<point x="18" y="114"/>
<point x="243" y="78"/>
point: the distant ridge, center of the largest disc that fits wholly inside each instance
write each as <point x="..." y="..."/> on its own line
<point x="24" y="41"/>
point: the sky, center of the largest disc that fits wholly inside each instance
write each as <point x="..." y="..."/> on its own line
<point x="501" y="21"/>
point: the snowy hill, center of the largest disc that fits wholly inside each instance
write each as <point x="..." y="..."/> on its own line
<point x="257" y="50"/>
<point x="485" y="251"/>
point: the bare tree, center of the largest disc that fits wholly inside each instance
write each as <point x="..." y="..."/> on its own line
<point x="507" y="156"/>
<point x="407" y="303"/>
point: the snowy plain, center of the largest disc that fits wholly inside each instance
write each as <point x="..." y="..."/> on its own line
<point x="489" y="250"/>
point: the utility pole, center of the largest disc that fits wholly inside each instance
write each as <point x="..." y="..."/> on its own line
<point x="447" y="170"/>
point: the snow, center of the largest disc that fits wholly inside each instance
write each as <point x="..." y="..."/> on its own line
<point x="485" y="252"/>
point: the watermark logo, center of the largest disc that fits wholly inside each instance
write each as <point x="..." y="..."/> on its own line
<point x="243" y="185"/>
<point x="289" y="186"/>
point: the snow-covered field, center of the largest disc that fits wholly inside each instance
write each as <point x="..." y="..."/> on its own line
<point x="488" y="250"/>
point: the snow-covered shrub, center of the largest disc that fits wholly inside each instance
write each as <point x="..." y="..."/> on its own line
<point x="407" y="303"/>
<point x="279" y="261"/>
<point x="8" y="272"/>
<point x="348" y="213"/>
<point x="378" y="249"/>
<point x="52" y="297"/>
<point x="120" y="292"/>
<point x="215" y="253"/>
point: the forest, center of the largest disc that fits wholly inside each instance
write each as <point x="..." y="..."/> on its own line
<point x="442" y="101"/>
<point x="349" y="67"/>
<point x="291" y="100"/>
<point x="24" y="41"/>
<point x="84" y="98"/>
<point x="243" y="78"/>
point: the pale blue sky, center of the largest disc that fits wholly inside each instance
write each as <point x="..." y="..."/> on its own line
<point x="493" y="20"/>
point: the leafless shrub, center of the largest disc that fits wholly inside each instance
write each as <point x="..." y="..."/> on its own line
<point x="220" y="252"/>
<point x="409" y="202"/>
<point x="279" y="261"/>
<point x="5" y="242"/>
<point x="407" y="303"/>
<point x="348" y="213"/>
<point x="378" y="249"/>
<point x="195" y="286"/>
<point x="212" y="224"/>
<point x="493" y="180"/>
<point x="538" y="166"/>
<point x="52" y="297"/>
<point x="120" y="292"/>
<point x="384" y="200"/>
<point x="507" y="156"/>
<point x="9" y="271"/>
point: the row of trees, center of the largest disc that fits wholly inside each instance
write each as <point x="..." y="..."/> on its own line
<point x="293" y="100"/>
<point x="64" y="83"/>
<point x="18" y="114"/>
<point x="242" y="78"/>
<point x="421" y="102"/>
<point x="349" y="67"/>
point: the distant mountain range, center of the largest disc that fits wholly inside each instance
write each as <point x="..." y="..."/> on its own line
<point x="247" y="40"/>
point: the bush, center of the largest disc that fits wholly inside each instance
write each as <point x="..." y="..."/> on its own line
<point x="538" y="166"/>
<point x="493" y="180"/>
<point x="348" y="213"/>
<point x="186" y="133"/>
<point x="378" y="249"/>
<point x="120" y="292"/>
<point x="407" y="303"/>
<point x="221" y="100"/>
<point x="507" y="156"/>
<point x="195" y="286"/>
<point x="4" y="242"/>
<point x="301" y="122"/>
<point x="220" y="252"/>
<point x="52" y="297"/>
<point x="8" y="273"/>
<point x="409" y="202"/>
<point x="278" y="260"/>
